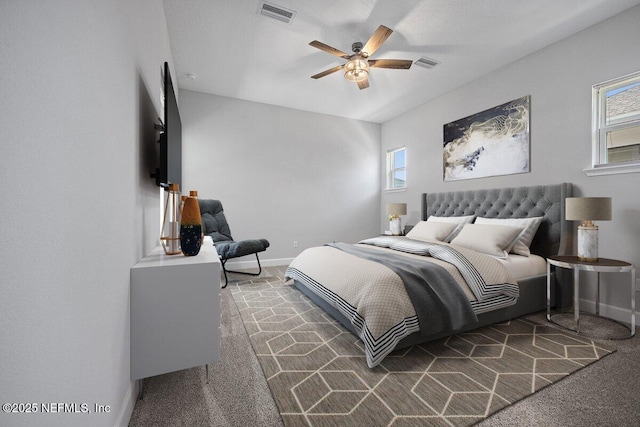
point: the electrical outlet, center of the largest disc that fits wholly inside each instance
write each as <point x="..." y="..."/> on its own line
<point x="295" y="243"/>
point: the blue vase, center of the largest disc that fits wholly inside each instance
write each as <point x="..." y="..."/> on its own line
<point x="190" y="227"/>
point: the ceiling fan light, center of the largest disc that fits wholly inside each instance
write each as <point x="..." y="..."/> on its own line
<point x="357" y="69"/>
<point x="356" y="76"/>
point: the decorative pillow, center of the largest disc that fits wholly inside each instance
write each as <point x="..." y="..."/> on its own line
<point x="429" y="231"/>
<point x="523" y="241"/>
<point x="490" y="239"/>
<point x="459" y="220"/>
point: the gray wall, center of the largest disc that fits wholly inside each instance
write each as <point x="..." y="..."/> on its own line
<point x="80" y="93"/>
<point x="282" y="174"/>
<point x="559" y="80"/>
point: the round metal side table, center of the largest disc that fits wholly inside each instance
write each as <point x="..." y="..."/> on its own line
<point x="602" y="265"/>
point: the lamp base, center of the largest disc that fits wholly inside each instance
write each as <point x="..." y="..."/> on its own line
<point x="588" y="243"/>
<point x="395" y="227"/>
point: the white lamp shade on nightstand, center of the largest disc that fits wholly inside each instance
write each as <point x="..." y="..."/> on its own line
<point x="396" y="209"/>
<point x="587" y="210"/>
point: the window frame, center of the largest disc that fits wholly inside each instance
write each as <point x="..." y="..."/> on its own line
<point x="599" y="129"/>
<point x="391" y="169"/>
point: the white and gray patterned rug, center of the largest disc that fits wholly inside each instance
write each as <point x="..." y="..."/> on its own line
<point x="318" y="375"/>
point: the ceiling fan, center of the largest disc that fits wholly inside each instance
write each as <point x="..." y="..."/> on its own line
<point x="356" y="69"/>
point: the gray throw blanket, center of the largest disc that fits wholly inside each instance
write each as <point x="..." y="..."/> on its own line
<point x="439" y="302"/>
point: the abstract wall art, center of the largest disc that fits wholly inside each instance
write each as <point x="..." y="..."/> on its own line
<point x="490" y="143"/>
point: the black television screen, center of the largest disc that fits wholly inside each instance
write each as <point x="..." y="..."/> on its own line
<point x="170" y="170"/>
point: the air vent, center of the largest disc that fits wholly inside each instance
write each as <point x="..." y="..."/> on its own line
<point x="277" y="12"/>
<point x="426" y="62"/>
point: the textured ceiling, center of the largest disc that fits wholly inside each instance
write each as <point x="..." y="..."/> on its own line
<point x="239" y="53"/>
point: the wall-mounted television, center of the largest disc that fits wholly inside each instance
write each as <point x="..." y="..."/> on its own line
<point x="170" y="158"/>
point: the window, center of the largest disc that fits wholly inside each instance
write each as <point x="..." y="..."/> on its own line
<point x="396" y="169"/>
<point x="616" y="126"/>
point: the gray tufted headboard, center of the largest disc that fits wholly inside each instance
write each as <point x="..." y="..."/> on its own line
<point x="554" y="237"/>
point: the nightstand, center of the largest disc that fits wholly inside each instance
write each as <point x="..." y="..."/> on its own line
<point x="603" y="265"/>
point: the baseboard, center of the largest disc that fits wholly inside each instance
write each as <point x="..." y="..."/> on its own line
<point x="619" y="314"/>
<point x="128" y="403"/>
<point x="241" y="265"/>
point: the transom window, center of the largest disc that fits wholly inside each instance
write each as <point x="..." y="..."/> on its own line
<point x="616" y="126"/>
<point x="396" y="168"/>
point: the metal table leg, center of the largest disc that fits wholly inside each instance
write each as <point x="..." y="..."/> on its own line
<point x="548" y="290"/>
<point x="598" y="296"/>
<point x="141" y="389"/>
<point x="633" y="301"/>
<point x="576" y="298"/>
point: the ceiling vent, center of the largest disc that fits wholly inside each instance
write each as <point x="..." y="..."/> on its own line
<point x="426" y="62"/>
<point x="277" y="12"/>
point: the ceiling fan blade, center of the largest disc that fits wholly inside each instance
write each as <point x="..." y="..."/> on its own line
<point x="398" y="64"/>
<point x="363" y="84"/>
<point x="327" y="72"/>
<point x="376" y="40"/>
<point x="329" y="49"/>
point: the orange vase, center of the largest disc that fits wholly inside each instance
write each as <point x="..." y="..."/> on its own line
<point x="190" y="227"/>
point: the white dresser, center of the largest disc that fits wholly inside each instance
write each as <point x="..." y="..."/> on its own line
<point x="175" y="312"/>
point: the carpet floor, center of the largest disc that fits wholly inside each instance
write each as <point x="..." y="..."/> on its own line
<point x="508" y="362"/>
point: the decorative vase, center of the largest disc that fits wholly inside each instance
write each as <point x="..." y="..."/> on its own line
<point x="194" y="193"/>
<point x="170" y="234"/>
<point x="190" y="227"/>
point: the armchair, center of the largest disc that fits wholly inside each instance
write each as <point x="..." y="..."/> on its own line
<point x="215" y="224"/>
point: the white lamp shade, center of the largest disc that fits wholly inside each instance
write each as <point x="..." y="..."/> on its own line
<point x="588" y="208"/>
<point x="396" y="209"/>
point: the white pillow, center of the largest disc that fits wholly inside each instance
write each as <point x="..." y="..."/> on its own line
<point x="523" y="241"/>
<point x="430" y="231"/>
<point x="487" y="238"/>
<point x="459" y="220"/>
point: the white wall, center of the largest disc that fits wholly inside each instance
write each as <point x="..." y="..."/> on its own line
<point x="79" y="92"/>
<point x="559" y="80"/>
<point x="282" y="174"/>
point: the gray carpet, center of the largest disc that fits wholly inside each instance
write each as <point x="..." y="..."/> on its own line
<point x="605" y="393"/>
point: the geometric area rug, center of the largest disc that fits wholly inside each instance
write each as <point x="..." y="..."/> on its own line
<point x="318" y="375"/>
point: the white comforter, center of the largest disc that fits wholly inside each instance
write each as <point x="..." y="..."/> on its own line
<point x="374" y="298"/>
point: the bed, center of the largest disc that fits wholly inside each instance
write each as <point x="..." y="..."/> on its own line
<point x="371" y="287"/>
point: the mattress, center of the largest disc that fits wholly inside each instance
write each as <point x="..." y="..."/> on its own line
<point x="524" y="267"/>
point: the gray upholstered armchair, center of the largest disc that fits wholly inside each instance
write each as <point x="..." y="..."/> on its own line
<point x="215" y="224"/>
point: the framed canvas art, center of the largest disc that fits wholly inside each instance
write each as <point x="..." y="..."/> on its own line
<point x="492" y="142"/>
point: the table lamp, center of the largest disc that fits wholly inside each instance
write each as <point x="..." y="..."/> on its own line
<point x="394" y="210"/>
<point x="587" y="210"/>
